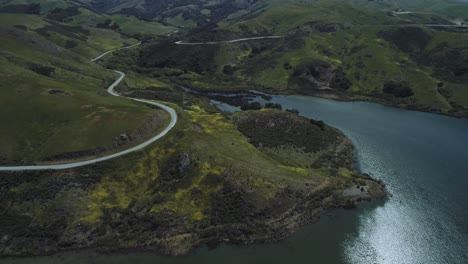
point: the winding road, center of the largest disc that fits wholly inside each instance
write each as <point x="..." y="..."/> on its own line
<point x="110" y="51"/>
<point x="440" y="25"/>
<point x="227" y="41"/>
<point x="111" y="91"/>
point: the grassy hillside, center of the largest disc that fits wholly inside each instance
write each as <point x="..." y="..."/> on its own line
<point x="192" y="188"/>
<point x="249" y="177"/>
<point x="53" y="98"/>
<point x="83" y="14"/>
<point x="45" y="5"/>
<point x="335" y="50"/>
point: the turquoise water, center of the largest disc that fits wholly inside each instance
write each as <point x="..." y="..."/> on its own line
<point x="423" y="159"/>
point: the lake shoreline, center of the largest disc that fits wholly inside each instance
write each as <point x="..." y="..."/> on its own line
<point x="462" y="114"/>
<point x="408" y="150"/>
<point x="306" y="205"/>
<point x="375" y="193"/>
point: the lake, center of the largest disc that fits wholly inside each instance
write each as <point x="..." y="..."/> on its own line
<point x="422" y="158"/>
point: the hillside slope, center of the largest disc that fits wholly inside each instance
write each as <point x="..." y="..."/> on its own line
<point x="207" y="182"/>
<point x="340" y="51"/>
<point x="254" y="176"/>
<point x="53" y="99"/>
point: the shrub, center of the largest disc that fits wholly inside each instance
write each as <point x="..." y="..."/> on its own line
<point x="275" y="128"/>
<point x="61" y="14"/>
<point x="251" y="106"/>
<point x="229" y="69"/>
<point x="70" y="44"/>
<point x="294" y="111"/>
<point x="398" y="89"/>
<point x="318" y="123"/>
<point x="42" y="70"/>
<point x="340" y="81"/>
<point x="408" y="39"/>
<point x="273" y="106"/>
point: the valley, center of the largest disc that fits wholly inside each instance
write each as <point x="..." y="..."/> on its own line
<point x="169" y="126"/>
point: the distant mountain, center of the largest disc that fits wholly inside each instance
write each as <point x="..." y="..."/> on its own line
<point x="197" y="10"/>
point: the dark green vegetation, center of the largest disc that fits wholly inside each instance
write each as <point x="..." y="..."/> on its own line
<point x="206" y="182"/>
<point x="286" y="130"/>
<point x="346" y="51"/>
<point x="87" y="13"/>
<point x="256" y="175"/>
<point x="54" y="106"/>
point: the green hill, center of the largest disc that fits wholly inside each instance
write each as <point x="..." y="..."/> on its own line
<point x="251" y="176"/>
<point x="206" y="182"/>
<point x="53" y="99"/>
<point x="342" y="51"/>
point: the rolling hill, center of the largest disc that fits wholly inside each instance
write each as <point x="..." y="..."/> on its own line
<point x="253" y="176"/>
<point x="342" y="51"/>
<point x="54" y="103"/>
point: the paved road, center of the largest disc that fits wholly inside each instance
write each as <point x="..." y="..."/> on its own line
<point x="111" y="91"/>
<point x="227" y="41"/>
<point x="110" y="51"/>
<point x="455" y="26"/>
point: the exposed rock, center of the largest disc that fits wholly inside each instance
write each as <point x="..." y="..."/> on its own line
<point x="123" y="137"/>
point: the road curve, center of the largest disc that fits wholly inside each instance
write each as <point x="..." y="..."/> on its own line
<point x="437" y="25"/>
<point x="111" y="91"/>
<point x="226" y="41"/>
<point x="110" y="51"/>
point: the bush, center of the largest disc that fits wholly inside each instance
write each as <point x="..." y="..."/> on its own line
<point x="273" y="106"/>
<point x="108" y="24"/>
<point x="408" y="39"/>
<point x="166" y="54"/>
<point x="275" y="128"/>
<point x="340" y="81"/>
<point x="70" y="44"/>
<point x="287" y="66"/>
<point x="42" y="70"/>
<point x="229" y="69"/>
<point x="61" y="14"/>
<point x="251" y="106"/>
<point x="318" y="123"/>
<point x="398" y="89"/>
<point x="294" y="111"/>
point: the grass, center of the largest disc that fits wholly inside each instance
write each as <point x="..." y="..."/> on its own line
<point x="39" y="124"/>
<point x="104" y="40"/>
<point x="205" y="172"/>
<point x="131" y="25"/>
<point x="217" y="150"/>
<point x="179" y="21"/>
<point x="128" y="25"/>
<point x="46" y="5"/>
<point x="280" y="20"/>
<point x="94" y="43"/>
<point x="30" y="21"/>
<point x="146" y="196"/>
<point x="368" y="60"/>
